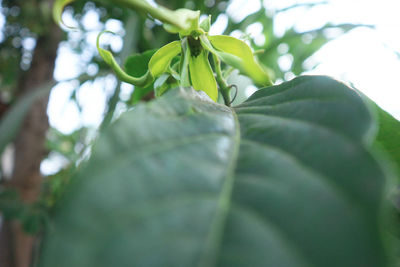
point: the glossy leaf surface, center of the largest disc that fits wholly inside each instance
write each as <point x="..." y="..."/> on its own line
<point x="285" y="179"/>
<point x="307" y="191"/>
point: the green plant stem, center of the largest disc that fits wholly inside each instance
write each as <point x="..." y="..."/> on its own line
<point x="223" y="85"/>
<point x="228" y="72"/>
<point x="130" y="41"/>
<point x="184" y="68"/>
<point x="112" y="104"/>
<point x="158" y="12"/>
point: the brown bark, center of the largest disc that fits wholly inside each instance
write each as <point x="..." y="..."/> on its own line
<point x="16" y="246"/>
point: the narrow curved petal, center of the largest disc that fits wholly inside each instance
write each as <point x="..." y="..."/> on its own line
<point x="108" y="57"/>
<point x="239" y="55"/>
<point x="161" y="59"/>
<point x="202" y="76"/>
<point x="58" y="8"/>
<point x="158" y="63"/>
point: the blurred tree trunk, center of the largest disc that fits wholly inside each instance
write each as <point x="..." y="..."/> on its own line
<point x="16" y="246"/>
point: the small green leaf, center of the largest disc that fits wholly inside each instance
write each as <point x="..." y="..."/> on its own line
<point x="202" y="76"/>
<point x="158" y="62"/>
<point x="137" y="64"/>
<point x="238" y="54"/>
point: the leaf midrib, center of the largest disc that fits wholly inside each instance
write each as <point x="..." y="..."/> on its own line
<point x="214" y="238"/>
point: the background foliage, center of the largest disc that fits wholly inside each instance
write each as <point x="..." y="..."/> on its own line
<point x="27" y="22"/>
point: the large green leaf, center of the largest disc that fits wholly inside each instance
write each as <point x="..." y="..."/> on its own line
<point x="389" y="135"/>
<point x="307" y="189"/>
<point x="285" y="179"/>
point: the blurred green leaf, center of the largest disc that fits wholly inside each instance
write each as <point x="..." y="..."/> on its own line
<point x="301" y="45"/>
<point x="54" y="186"/>
<point x="285" y="179"/>
<point x="68" y="145"/>
<point x="13" y="119"/>
<point x="258" y="16"/>
<point x="34" y="218"/>
<point x="301" y="5"/>
<point x="11" y="206"/>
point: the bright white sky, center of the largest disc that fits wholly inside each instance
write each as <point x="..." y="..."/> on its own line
<point x="364" y="57"/>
